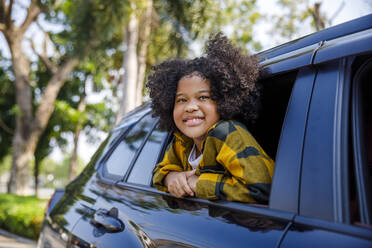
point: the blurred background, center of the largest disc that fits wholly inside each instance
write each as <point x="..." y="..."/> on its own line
<point x="70" y="69"/>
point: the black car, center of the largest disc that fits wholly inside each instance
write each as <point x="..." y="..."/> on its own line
<point x="316" y="122"/>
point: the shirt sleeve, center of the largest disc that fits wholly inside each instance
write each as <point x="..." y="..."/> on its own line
<point x="171" y="162"/>
<point x="241" y="171"/>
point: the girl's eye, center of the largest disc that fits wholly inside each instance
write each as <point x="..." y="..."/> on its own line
<point x="204" y="97"/>
<point x="179" y="100"/>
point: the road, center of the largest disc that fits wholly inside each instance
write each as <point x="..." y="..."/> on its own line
<point x="9" y="240"/>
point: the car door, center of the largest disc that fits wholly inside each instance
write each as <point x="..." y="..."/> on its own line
<point x="335" y="199"/>
<point x="151" y="218"/>
<point x="96" y="227"/>
<point x="158" y="219"/>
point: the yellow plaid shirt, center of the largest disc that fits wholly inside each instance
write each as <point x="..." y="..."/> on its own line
<point x="233" y="167"/>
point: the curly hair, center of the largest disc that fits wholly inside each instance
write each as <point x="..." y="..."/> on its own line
<point x="232" y="77"/>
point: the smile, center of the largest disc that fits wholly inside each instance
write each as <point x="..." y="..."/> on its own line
<point x="194" y="121"/>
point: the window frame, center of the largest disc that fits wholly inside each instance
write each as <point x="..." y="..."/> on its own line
<point x="235" y="205"/>
<point x="107" y="177"/>
<point x="363" y="185"/>
<point x="134" y="160"/>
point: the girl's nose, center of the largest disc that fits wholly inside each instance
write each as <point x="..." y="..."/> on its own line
<point x="191" y="106"/>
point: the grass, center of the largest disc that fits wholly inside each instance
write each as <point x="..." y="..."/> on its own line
<point x="22" y="215"/>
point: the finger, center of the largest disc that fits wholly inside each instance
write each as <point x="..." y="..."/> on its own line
<point x="190" y="173"/>
<point x="174" y="189"/>
<point x="185" y="186"/>
<point x="175" y="193"/>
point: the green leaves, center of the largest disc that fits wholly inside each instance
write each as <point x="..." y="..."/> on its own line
<point x="22" y="215"/>
<point x="70" y="114"/>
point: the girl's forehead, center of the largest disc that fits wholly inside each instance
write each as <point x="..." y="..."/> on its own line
<point x="194" y="73"/>
<point x="193" y="83"/>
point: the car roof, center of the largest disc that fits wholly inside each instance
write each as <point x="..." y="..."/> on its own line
<point x="343" y="29"/>
<point x="133" y="116"/>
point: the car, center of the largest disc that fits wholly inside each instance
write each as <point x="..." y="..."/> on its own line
<point x="316" y="122"/>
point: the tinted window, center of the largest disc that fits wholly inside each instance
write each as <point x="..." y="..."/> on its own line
<point x="120" y="159"/>
<point x="142" y="170"/>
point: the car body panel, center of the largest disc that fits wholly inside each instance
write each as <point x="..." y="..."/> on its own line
<point x="310" y="232"/>
<point x="343" y="29"/>
<point x="352" y="44"/>
<point x="286" y="180"/>
<point x="162" y="220"/>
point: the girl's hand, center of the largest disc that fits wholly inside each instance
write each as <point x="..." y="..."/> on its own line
<point x="192" y="180"/>
<point x="177" y="183"/>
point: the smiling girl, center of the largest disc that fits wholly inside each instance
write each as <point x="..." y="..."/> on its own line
<point x="205" y="102"/>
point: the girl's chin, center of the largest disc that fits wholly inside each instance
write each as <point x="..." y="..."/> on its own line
<point x="195" y="135"/>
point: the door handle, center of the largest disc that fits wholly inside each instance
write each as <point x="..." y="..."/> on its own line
<point x="108" y="220"/>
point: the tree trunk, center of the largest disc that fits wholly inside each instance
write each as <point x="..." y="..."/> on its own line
<point x="29" y="128"/>
<point x="318" y="19"/>
<point x="22" y="148"/>
<point x="36" y="177"/>
<point x="79" y="127"/>
<point x="145" y="40"/>
<point x="130" y="65"/>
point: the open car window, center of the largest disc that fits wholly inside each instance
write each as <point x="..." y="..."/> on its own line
<point x="268" y="128"/>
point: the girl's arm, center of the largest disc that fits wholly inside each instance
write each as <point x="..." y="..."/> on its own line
<point x="242" y="170"/>
<point x="170" y="174"/>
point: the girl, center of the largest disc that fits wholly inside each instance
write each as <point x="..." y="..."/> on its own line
<point x="204" y="102"/>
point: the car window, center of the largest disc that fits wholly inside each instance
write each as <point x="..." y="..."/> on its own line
<point x="142" y="170"/>
<point x="361" y="177"/>
<point x="120" y="159"/>
<point x="274" y="105"/>
<point x="268" y="127"/>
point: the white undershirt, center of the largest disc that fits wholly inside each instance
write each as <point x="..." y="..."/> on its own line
<point x="193" y="160"/>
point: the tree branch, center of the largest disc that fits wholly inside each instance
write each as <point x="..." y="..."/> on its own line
<point x="5" y="127"/>
<point x="44" y="58"/>
<point x="49" y="97"/>
<point x="47" y="37"/>
<point x="2" y="11"/>
<point x="8" y="14"/>
<point x="32" y="12"/>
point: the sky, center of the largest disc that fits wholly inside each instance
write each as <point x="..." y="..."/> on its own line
<point x="351" y="9"/>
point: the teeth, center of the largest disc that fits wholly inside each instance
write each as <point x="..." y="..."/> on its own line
<point x="193" y="121"/>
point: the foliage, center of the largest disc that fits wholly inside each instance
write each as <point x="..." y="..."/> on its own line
<point x="5" y="163"/>
<point x="295" y="19"/>
<point x="87" y="25"/>
<point x="22" y="215"/>
<point x="7" y="107"/>
<point x="55" y="174"/>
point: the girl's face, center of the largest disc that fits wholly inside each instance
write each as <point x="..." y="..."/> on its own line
<point x="194" y="110"/>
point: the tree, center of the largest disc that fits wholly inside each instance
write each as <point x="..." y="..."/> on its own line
<point x="80" y="36"/>
<point x="174" y="25"/>
<point x="301" y="17"/>
<point x="7" y="109"/>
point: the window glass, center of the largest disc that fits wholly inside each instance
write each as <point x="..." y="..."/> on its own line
<point x="120" y="159"/>
<point x="142" y="170"/>
<point x="112" y="137"/>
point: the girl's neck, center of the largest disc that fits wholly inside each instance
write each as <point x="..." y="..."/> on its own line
<point x="198" y="144"/>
